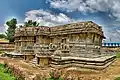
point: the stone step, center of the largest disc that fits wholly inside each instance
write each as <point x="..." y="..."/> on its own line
<point x="34" y="61"/>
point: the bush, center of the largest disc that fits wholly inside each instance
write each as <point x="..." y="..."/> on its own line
<point x="1" y="65"/>
<point x="55" y="79"/>
<point x="6" y="70"/>
<point x="118" y="78"/>
<point x="55" y="75"/>
<point x="5" y="73"/>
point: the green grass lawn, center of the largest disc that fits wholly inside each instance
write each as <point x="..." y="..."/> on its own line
<point x="117" y="56"/>
<point x="5" y="76"/>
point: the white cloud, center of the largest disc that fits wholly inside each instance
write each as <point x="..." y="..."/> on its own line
<point x="47" y="18"/>
<point x="113" y="35"/>
<point x="70" y="5"/>
<point x="84" y="6"/>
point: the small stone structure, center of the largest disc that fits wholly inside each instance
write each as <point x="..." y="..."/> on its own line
<point x="70" y="45"/>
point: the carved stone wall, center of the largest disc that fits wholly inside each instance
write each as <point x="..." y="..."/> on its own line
<point x="72" y="40"/>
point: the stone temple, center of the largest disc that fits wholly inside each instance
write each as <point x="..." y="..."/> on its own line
<point x="71" y="45"/>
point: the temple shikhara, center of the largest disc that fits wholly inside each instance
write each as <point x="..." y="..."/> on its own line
<point x="71" y="45"/>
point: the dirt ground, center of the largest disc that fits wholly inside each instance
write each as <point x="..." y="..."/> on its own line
<point x="107" y="74"/>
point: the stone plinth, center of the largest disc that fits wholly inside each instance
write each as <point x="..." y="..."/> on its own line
<point x="92" y="63"/>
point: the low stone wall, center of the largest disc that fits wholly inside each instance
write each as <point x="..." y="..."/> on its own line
<point x="7" y="47"/>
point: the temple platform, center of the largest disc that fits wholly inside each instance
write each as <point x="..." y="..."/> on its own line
<point x="97" y="63"/>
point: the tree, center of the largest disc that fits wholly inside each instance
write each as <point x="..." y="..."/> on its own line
<point x="31" y="23"/>
<point x="2" y="36"/>
<point x="35" y="24"/>
<point x="11" y="29"/>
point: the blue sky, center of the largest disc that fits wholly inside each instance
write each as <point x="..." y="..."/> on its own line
<point x="56" y="12"/>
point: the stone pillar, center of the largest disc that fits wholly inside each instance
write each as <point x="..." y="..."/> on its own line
<point x="44" y="61"/>
<point x="89" y="38"/>
<point x="93" y="37"/>
<point x="84" y="37"/>
<point x="96" y="40"/>
<point x="100" y="41"/>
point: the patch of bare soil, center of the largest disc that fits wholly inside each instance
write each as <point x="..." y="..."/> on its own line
<point x="107" y="74"/>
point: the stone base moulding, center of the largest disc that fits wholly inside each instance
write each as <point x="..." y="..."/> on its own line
<point x="91" y="63"/>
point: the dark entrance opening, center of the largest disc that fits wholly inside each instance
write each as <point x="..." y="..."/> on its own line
<point x="25" y="57"/>
<point x="38" y="60"/>
<point x="34" y="39"/>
